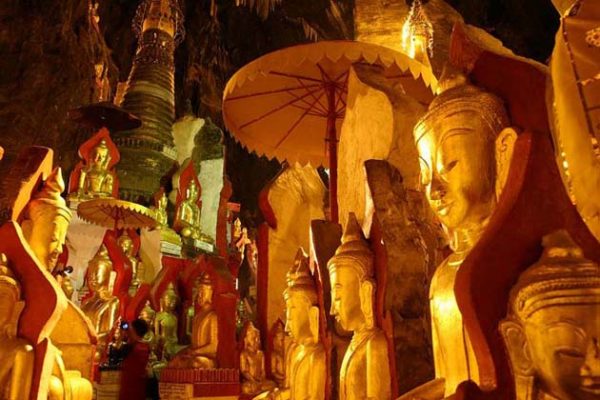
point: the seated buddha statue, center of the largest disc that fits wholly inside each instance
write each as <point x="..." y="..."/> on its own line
<point x="188" y="213"/>
<point x="278" y="368"/>
<point x="95" y="179"/>
<point x="202" y="352"/>
<point x="552" y="331"/>
<point x="364" y="372"/>
<point x="166" y="323"/>
<point x="126" y="244"/>
<point x="307" y="364"/>
<point x="102" y="307"/>
<point x="465" y="144"/>
<point x="252" y="363"/>
<point x="160" y="214"/>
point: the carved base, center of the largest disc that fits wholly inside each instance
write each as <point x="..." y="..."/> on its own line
<point x="192" y="384"/>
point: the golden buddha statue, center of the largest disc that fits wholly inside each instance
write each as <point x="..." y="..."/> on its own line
<point x="202" y="353"/>
<point x="166" y="323"/>
<point x="148" y="314"/>
<point x="160" y="211"/>
<point x="252" y="363"/>
<point x="47" y="219"/>
<point x="95" y="180"/>
<point x="278" y="354"/>
<point x="307" y="363"/>
<point x="364" y="372"/>
<point x="465" y="144"/>
<point x="126" y="244"/>
<point x="102" y="307"/>
<point x="188" y="213"/>
<point x="45" y="225"/>
<point x="552" y="331"/>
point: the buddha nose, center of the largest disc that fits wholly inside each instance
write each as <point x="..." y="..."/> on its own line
<point x="437" y="190"/>
<point x="590" y="371"/>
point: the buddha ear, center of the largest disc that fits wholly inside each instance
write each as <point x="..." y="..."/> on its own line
<point x="313" y="315"/>
<point x="517" y="348"/>
<point x="505" y="144"/>
<point x="366" y="301"/>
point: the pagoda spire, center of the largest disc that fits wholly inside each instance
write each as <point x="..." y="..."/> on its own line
<point x="148" y="152"/>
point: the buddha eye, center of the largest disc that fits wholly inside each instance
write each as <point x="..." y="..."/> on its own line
<point x="450" y="166"/>
<point x="569" y="352"/>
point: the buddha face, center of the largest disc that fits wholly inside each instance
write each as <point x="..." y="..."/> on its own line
<point x="205" y="293"/>
<point x="126" y="244"/>
<point x="297" y="308"/>
<point x="168" y="302"/>
<point x="564" y="347"/>
<point x="457" y="156"/>
<point x="47" y="238"/>
<point x="558" y="346"/>
<point x="346" y="298"/>
<point x="99" y="156"/>
<point x="99" y="275"/>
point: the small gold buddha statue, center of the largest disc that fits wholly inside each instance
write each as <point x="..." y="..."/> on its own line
<point x="160" y="214"/>
<point x="202" y="352"/>
<point x="364" y="373"/>
<point x="188" y="213"/>
<point x="552" y="331"/>
<point x="95" y="180"/>
<point x="160" y="211"/>
<point x="252" y="363"/>
<point x="465" y="145"/>
<point x="126" y="244"/>
<point x="166" y="323"/>
<point x="148" y="314"/>
<point x="278" y="354"/>
<point x="102" y="307"/>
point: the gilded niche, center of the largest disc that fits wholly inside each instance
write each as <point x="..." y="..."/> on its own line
<point x="204" y="331"/>
<point x="552" y="330"/>
<point x="364" y="373"/>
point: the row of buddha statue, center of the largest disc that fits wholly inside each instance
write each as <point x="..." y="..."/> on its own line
<point x="551" y="331"/>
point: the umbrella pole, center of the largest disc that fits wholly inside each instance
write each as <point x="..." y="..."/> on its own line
<point x="332" y="143"/>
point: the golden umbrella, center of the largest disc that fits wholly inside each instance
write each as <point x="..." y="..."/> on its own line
<point x="290" y="104"/>
<point x="116" y="214"/>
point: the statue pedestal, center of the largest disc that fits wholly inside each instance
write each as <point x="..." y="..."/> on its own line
<point x="107" y="388"/>
<point x="194" y="247"/>
<point x="195" y="384"/>
<point x="83" y="241"/>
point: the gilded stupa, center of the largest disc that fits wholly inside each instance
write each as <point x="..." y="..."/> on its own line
<point x="148" y="152"/>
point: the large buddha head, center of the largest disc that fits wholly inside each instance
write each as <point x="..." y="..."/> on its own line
<point x="301" y="302"/>
<point x="46" y="221"/>
<point x="99" y="270"/>
<point x="552" y="331"/>
<point x="464" y="142"/>
<point x="351" y="274"/>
